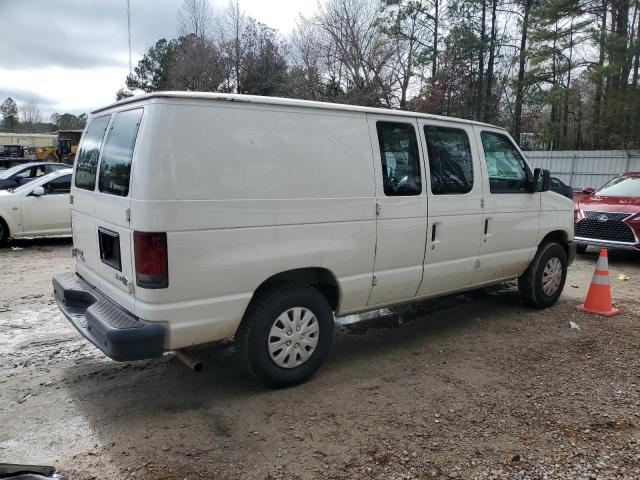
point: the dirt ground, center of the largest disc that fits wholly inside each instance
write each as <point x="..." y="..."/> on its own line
<point x="469" y="386"/>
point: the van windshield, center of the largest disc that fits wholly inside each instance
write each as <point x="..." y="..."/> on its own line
<point x="115" y="166"/>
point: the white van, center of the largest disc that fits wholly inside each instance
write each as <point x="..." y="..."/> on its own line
<point x="199" y="217"/>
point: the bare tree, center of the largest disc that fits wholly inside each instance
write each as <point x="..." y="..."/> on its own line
<point x="30" y="112"/>
<point x="358" y="50"/>
<point x="306" y="61"/>
<point x="195" y="17"/>
<point x="233" y="27"/>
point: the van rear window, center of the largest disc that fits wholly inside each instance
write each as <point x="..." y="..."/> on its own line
<point x="89" y="152"/>
<point x="115" y="166"/>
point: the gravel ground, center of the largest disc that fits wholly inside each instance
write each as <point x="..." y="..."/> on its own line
<point x="473" y="386"/>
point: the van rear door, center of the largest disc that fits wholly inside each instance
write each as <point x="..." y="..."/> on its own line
<point x="101" y="210"/>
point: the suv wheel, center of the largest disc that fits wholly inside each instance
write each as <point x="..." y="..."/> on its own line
<point x="542" y="283"/>
<point x="285" y="335"/>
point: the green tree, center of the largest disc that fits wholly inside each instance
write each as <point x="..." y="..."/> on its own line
<point x="413" y="26"/>
<point x="152" y="72"/>
<point x="9" y="112"/>
<point x="264" y="67"/>
<point x="559" y="30"/>
<point x="69" y="121"/>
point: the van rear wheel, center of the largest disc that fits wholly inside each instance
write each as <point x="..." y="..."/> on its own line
<point x="541" y="284"/>
<point x="285" y="335"/>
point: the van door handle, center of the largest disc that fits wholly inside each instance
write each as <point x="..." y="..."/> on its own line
<point x="433" y="233"/>
<point x="486" y="226"/>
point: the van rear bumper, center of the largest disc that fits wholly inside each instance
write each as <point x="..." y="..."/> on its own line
<point x="119" y="335"/>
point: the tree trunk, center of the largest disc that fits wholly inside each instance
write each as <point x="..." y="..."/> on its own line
<point x="436" y="21"/>
<point x="483" y="40"/>
<point x="488" y="112"/>
<point x="597" y="134"/>
<point x="555" y="115"/>
<point x="616" y="101"/>
<point x="565" y="113"/>
<point x="636" y="50"/>
<point x="517" y="120"/>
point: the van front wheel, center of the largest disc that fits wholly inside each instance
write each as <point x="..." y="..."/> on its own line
<point x="285" y="335"/>
<point x="541" y="284"/>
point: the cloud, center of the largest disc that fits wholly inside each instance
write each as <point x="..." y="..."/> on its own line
<point x="72" y="55"/>
<point x="80" y="34"/>
<point x="23" y="95"/>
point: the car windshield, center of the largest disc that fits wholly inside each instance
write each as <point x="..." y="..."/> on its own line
<point x="10" y="171"/>
<point x="621" y="187"/>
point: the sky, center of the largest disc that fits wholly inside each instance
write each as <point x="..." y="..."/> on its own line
<point x="73" y="55"/>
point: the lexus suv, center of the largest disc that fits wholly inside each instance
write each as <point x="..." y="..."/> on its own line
<point x="610" y="216"/>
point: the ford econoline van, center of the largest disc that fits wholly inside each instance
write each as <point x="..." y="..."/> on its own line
<point x="199" y="217"/>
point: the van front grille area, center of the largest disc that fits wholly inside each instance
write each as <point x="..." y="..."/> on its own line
<point x="605" y="226"/>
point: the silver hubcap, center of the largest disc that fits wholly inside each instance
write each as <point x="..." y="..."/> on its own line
<point x="293" y="337"/>
<point x="552" y="276"/>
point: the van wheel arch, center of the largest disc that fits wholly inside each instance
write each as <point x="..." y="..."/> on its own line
<point x="557" y="236"/>
<point x="319" y="278"/>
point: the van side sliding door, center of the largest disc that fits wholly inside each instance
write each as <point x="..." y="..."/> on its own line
<point x="401" y="206"/>
<point x="454" y="187"/>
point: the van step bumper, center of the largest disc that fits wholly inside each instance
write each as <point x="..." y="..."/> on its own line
<point x="119" y="335"/>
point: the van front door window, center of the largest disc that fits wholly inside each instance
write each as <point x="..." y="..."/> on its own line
<point x="506" y="167"/>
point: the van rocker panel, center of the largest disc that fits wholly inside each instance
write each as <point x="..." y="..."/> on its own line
<point x="119" y="335"/>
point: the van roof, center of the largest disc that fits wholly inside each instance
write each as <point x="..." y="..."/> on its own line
<point x="290" y="102"/>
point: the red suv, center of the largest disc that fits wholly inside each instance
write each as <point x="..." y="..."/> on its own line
<point x="610" y="216"/>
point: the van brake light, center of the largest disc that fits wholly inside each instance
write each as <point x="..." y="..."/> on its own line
<point x="150" y="250"/>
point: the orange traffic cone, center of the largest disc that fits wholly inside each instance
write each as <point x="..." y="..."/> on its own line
<point x="599" y="295"/>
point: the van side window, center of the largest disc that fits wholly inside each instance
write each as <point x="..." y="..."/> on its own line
<point x="450" y="160"/>
<point x="400" y="159"/>
<point x="508" y="171"/>
<point x="89" y="152"/>
<point x="115" y="166"/>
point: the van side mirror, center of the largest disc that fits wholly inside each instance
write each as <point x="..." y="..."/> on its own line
<point x="38" y="191"/>
<point x="588" y="190"/>
<point x="541" y="180"/>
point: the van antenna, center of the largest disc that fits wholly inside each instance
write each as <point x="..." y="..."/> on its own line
<point x="129" y="30"/>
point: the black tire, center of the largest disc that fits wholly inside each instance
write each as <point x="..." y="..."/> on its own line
<point x="530" y="284"/>
<point x="251" y="340"/>
<point x="4" y="233"/>
<point x="581" y="248"/>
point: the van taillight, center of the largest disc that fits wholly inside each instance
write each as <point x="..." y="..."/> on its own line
<point x="150" y="250"/>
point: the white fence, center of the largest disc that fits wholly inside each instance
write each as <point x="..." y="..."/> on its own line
<point x="581" y="169"/>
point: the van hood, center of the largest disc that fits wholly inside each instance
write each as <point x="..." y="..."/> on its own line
<point x="610" y="204"/>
